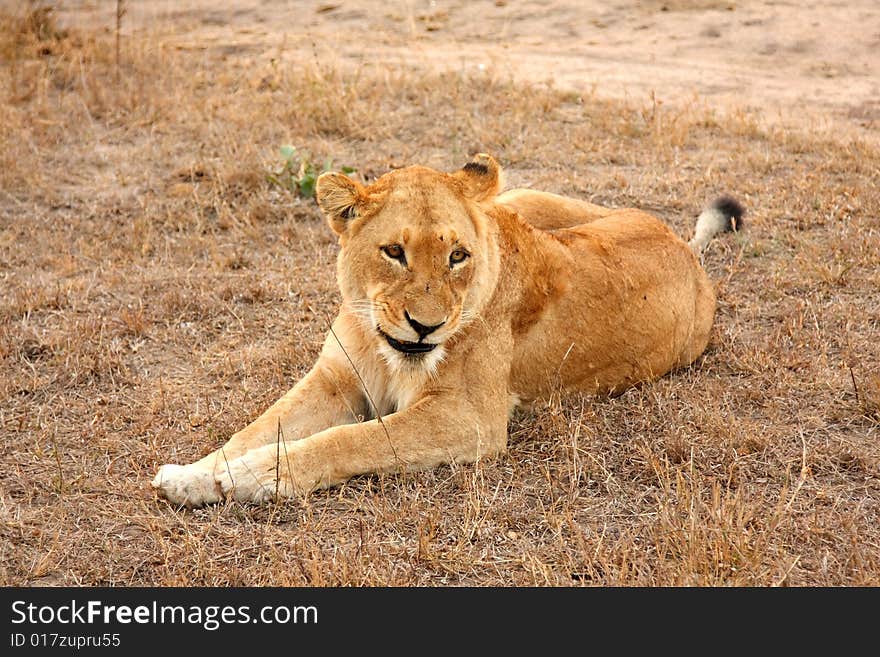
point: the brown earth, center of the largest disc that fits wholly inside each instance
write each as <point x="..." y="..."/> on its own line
<point x="800" y="63"/>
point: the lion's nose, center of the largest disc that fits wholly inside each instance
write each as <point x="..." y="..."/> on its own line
<point x="420" y="328"/>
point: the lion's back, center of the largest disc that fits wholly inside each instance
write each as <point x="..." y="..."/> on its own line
<point x="637" y="301"/>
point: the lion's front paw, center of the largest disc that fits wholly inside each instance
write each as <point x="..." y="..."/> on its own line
<point x="244" y="480"/>
<point x="186" y="484"/>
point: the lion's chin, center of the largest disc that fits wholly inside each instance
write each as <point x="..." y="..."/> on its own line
<point x="412" y="362"/>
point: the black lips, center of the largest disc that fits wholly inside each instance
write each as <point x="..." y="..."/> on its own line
<point x="408" y="347"/>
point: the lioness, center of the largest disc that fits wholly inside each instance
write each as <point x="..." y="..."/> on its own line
<point x="458" y="304"/>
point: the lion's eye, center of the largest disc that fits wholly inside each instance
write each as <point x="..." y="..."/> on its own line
<point x="395" y="252"/>
<point x="458" y="256"/>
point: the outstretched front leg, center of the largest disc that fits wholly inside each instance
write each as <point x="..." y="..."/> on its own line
<point x="439" y="428"/>
<point x="329" y="395"/>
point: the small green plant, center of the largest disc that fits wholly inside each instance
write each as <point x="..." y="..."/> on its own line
<point x="298" y="173"/>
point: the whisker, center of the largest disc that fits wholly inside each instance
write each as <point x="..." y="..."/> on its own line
<point x="468" y="316"/>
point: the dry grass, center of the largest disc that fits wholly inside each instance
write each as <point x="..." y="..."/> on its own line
<point x="156" y="293"/>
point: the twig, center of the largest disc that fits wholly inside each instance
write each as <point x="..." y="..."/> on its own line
<point x="803" y="476"/>
<point x="293" y="485"/>
<point x="366" y="391"/>
<point x="855" y="387"/>
<point x="58" y="462"/>
<point x="278" y="460"/>
<point x="228" y="469"/>
<point x="120" y="12"/>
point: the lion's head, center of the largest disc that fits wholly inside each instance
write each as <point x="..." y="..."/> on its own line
<point x="418" y="259"/>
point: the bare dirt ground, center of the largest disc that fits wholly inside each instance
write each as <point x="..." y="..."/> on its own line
<point x="800" y="63"/>
<point x="157" y="291"/>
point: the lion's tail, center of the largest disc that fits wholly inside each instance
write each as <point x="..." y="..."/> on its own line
<point x="725" y="214"/>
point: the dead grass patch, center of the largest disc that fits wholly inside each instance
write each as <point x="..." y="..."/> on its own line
<point x="157" y="293"/>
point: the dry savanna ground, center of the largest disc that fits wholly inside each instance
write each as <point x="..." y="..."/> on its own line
<point x="158" y="291"/>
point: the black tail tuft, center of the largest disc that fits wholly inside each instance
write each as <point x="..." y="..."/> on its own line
<point x="732" y="210"/>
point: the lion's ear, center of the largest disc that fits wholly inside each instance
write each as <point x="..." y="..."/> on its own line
<point x="338" y="197"/>
<point x="481" y="178"/>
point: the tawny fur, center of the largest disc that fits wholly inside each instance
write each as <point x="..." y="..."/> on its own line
<point x="556" y="294"/>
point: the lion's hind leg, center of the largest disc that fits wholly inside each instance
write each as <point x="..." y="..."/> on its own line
<point x="704" y="315"/>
